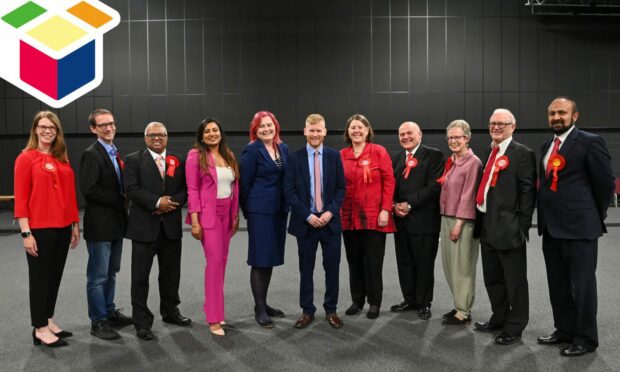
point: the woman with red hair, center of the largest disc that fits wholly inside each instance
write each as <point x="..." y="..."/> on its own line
<point x="262" y="166"/>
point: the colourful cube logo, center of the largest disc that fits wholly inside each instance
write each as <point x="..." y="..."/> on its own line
<point x="53" y="49"/>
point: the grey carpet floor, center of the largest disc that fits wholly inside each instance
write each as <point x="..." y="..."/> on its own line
<point x="393" y="342"/>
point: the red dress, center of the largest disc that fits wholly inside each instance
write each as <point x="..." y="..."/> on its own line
<point x="44" y="191"/>
<point x="370" y="184"/>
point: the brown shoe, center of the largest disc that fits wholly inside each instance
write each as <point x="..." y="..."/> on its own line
<point x="304" y="321"/>
<point x="333" y="320"/>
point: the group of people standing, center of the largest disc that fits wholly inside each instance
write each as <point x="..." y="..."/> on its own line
<point x="359" y="193"/>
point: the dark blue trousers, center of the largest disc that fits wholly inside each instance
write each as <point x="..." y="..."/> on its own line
<point x="307" y="247"/>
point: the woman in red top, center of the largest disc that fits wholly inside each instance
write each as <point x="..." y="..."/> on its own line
<point x="46" y="209"/>
<point x="366" y="213"/>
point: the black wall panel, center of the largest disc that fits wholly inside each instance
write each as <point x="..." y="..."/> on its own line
<point x="431" y="61"/>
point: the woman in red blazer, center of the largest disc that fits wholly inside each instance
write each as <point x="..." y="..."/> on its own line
<point x="212" y="176"/>
<point x="46" y="210"/>
<point x="366" y="213"/>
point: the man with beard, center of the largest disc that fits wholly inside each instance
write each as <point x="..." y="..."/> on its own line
<point x="576" y="186"/>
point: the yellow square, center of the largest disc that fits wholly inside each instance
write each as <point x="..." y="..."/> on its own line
<point x="57" y="33"/>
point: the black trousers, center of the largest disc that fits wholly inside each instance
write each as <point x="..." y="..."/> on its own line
<point x="415" y="259"/>
<point x="571" y="274"/>
<point x="168" y="252"/>
<point x="365" y="250"/>
<point x="45" y="272"/>
<point x="505" y="278"/>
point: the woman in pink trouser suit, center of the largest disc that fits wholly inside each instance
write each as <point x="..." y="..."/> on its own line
<point x="212" y="175"/>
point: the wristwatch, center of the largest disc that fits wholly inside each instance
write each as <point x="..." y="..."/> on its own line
<point x="25" y="234"/>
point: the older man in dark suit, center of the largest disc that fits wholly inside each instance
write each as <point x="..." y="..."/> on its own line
<point x="576" y="187"/>
<point x="155" y="185"/>
<point x="314" y="187"/>
<point x="505" y="201"/>
<point x="105" y="221"/>
<point x="416" y="207"/>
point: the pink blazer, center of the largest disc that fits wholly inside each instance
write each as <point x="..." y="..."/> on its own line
<point x="202" y="192"/>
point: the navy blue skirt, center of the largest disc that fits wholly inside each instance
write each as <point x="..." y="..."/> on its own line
<point x="266" y="239"/>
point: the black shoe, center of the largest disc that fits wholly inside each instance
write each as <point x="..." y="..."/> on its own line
<point x="37" y="341"/>
<point x="574" y="350"/>
<point x="177" y="319"/>
<point x="487" y="327"/>
<point x="456" y="321"/>
<point x="63" y="334"/>
<point x="103" y="330"/>
<point x="402" y="307"/>
<point x="552" y="339"/>
<point x="145" y="334"/>
<point x="506" y="339"/>
<point x="263" y="320"/>
<point x="118" y="319"/>
<point x="373" y="312"/>
<point x="274" y="313"/>
<point x="354" y="309"/>
<point x="449" y="314"/>
<point x="425" y="313"/>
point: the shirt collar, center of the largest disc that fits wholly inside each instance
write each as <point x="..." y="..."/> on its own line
<point x="155" y="155"/>
<point x="564" y="135"/>
<point x="503" y="145"/>
<point x="412" y="152"/>
<point x="311" y="149"/>
<point x="107" y="147"/>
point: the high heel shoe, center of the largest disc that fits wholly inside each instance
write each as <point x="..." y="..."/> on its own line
<point x="216" y="329"/>
<point x="63" y="334"/>
<point x="37" y="341"/>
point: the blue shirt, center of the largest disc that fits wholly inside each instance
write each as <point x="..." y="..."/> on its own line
<point x="111" y="150"/>
<point x="311" y="150"/>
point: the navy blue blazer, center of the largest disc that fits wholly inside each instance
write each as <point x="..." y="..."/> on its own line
<point x="585" y="188"/>
<point x="298" y="194"/>
<point x="260" y="181"/>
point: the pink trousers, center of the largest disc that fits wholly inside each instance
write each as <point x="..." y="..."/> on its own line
<point x="215" y="243"/>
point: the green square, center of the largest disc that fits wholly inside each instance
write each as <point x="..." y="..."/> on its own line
<point x="24" y="14"/>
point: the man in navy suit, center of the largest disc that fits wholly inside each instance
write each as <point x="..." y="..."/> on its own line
<point x="155" y="185"/>
<point x="576" y="186"/>
<point x="314" y="188"/>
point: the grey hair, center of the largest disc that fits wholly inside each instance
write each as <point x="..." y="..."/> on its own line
<point x="505" y="111"/>
<point x="155" y="124"/>
<point x="460" y="123"/>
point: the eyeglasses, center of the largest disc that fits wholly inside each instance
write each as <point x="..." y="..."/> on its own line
<point x="105" y="125"/>
<point x="498" y="124"/>
<point x="455" y="138"/>
<point x="45" y="128"/>
<point x="156" y="135"/>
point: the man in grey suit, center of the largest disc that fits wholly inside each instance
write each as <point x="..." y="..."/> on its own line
<point x="505" y="201"/>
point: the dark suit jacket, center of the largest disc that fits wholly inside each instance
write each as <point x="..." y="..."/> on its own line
<point x="297" y="190"/>
<point x="420" y="190"/>
<point x="260" y="183"/>
<point x="144" y="187"/>
<point x="510" y="204"/>
<point x="585" y="188"/>
<point x="105" y="215"/>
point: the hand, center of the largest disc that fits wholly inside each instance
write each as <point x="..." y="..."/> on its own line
<point x="315" y="222"/>
<point x="382" y="221"/>
<point x="30" y="245"/>
<point x="166" y="204"/>
<point x="197" y="231"/>
<point x="75" y="236"/>
<point x="401" y="209"/>
<point x="456" y="232"/>
<point x="326" y="217"/>
<point x="235" y="225"/>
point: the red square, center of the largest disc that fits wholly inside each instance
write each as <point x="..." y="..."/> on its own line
<point x="38" y="69"/>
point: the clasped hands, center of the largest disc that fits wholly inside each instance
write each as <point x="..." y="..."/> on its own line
<point x="317" y="222"/>
<point x="166" y="205"/>
<point x="401" y="209"/>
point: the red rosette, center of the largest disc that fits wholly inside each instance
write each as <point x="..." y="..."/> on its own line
<point x="501" y="163"/>
<point x="172" y="162"/>
<point x="49" y="167"/>
<point x="446" y="169"/>
<point x="410" y="164"/>
<point x="557" y="162"/>
<point x="365" y="164"/>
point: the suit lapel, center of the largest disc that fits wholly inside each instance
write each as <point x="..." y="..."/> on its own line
<point x="305" y="169"/>
<point x="566" y="148"/>
<point x="150" y="163"/>
<point x="326" y="166"/>
<point x="263" y="151"/>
